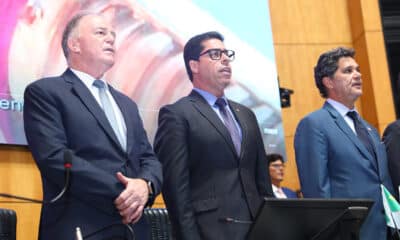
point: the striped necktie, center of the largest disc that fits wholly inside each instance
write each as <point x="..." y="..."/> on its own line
<point x="229" y="124"/>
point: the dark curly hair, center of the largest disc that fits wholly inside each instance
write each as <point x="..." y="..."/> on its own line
<point x="328" y="64"/>
<point x="274" y="157"/>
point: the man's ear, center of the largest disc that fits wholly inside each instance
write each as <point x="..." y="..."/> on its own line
<point x="73" y="45"/>
<point x="194" y="66"/>
<point x="327" y="82"/>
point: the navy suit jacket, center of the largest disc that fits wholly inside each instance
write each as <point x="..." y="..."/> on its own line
<point x="391" y="138"/>
<point x="289" y="192"/>
<point x="60" y="113"/>
<point x="333" y="163"/>
<point x="206" y="182"/>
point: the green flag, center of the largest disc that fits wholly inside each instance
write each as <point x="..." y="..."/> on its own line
<point x="392" y="209"/>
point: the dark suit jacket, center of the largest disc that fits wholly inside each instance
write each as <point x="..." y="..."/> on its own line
<point x="205" y="181"/>
<point x="60" y="113"/>
<point x="391" y="138"/>
<point x="333" y="163"/>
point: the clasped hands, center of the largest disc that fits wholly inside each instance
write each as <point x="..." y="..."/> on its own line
<point x="131" y="202"/>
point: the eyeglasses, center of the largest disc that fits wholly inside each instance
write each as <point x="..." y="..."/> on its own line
<point x="277" y="165"/>
<point x="215" y="53"/>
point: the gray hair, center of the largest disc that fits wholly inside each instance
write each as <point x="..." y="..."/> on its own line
<point x="71" y="25"/>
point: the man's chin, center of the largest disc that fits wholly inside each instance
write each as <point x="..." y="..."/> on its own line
<point x="357" y="94"/>
<point x="109" y="63"/>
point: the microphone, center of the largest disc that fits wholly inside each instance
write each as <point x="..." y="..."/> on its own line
<point x="67" y="167"/>
<point x="78" y="234"/>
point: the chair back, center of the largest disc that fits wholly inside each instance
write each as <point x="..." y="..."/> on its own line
<point x="8" y="224"/>
<point x="158" y="221"/>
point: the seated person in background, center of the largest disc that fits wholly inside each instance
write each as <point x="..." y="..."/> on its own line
<point x="276" y="168"/>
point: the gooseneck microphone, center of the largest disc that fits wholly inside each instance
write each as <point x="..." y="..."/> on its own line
<point x="67" y="167"/>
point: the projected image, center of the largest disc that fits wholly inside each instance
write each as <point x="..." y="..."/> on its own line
<point x="149" y="64"/>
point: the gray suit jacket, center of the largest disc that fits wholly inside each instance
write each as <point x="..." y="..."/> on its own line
<point x="206" y="182"/>
<point x="60" y="113"/>
<point x="333" y="163"/>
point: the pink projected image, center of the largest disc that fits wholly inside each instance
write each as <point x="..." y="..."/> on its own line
<point x="149" y="64"/>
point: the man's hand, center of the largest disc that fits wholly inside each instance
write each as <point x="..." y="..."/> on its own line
<point x="132" y="200"/>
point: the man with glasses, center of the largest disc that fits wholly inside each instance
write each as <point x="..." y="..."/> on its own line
<point x="276" y="168"/>
<point x="211" y="149"/>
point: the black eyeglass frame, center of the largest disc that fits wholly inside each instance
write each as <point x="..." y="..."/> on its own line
<point x="216" y="53"/>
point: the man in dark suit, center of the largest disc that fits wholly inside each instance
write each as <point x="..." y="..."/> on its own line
<point x="276" y="171"/>
<point x="211" y="149"/>
<point x="391" y="138"/>
<point x="338" y="154"/>
<point x="114" y="169"/>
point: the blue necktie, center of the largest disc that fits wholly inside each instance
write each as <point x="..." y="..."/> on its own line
<point x="229" y="124"/>
<point x="108" y="110"/>
<point x="362" y="132"/>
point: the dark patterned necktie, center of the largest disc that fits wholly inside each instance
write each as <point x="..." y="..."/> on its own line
<point x="362" y="132"/>
<point x="229" y="123"/>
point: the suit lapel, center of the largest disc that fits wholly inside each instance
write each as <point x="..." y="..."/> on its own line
<point x="340" y="122"/>
<point x="91" y="104"/>
<point x="208" y="113"/>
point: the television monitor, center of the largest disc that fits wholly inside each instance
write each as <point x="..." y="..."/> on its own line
<point x="309" y="219"/>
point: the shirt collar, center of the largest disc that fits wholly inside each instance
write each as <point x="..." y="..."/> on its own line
<point x="210" y="98"/>
<point x="342" y="109"/>
<point x="86" y="78"/>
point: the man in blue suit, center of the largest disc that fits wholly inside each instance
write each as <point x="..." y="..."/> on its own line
<point x="114" y="172"/>
<point x="338" y="154"/>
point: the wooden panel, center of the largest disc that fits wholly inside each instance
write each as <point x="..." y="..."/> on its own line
<point x="368" y="110"/>
<point x="295" y="65"/>
<point x="20" y="176"/>
<point x="380" y="78"/>
<point x="364" y="16"/>
<point x="309" y="21"/>
<point x="368" y="40"/>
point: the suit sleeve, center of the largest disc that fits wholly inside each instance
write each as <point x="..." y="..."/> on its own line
<point x="150" y="167"/>
<point x="171" y="146"/>
<point x="391" y="138"/>
<point x="311" y="150"/>
<point x="263" y="180"/>
<point x="43" y="124"/>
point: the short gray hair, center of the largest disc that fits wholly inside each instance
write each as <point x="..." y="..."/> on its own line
<point x="71" y="25"/>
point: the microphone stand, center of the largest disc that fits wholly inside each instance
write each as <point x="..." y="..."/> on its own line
<point x="67" y="167"/>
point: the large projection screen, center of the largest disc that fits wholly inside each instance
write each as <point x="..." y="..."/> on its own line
<point x="149" y="65"/>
